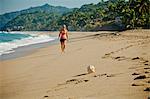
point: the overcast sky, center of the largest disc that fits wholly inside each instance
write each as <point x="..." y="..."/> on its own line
<point x="16" y="5"/>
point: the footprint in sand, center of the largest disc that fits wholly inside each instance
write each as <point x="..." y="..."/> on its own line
<point x="148" y="81"/>
<point x="80" y="75"/>
<point x="146" y="61"/>
<point x="147" y="89"/>
<point x="136" y="84"/>
<point x="135" y="73"/>
<point x="136" y="58"/>
<point x="140" y="77"/>
<point x="107" y="75"/>
<point x="99" y="75"/>
<point x="146" y="72"/>
<point x="119" y="58"/>
<point x="106" y="55"/>
<point x="147" y="68"/>
<point x="76" y="81"/>
<point x="146" y="64"/>
<point x="111" y="75"/>
<point x="45" y="97"/>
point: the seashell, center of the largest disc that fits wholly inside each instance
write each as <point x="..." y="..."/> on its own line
<point x="91" y="69"/>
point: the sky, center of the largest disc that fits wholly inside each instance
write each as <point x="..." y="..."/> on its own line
<point x="17" y="5"/>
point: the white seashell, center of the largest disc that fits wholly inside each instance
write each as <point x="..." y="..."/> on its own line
<point x="91" y="69"/>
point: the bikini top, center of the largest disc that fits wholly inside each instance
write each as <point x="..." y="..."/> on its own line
<point x="63" y="34"/>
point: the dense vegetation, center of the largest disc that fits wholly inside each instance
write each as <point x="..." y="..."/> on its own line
<point x="132" y="14"/>
<point x="106" y="15"/>
<point x="34" y="21"/>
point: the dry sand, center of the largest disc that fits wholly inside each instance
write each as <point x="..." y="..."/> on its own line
<point x="122" y="62"/>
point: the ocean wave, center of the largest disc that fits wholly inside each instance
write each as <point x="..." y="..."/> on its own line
<point x="8" y="47"/>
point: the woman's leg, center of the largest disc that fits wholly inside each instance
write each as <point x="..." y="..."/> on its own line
<point x="62" y="46"/>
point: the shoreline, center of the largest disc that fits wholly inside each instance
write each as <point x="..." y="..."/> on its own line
<point x="121" y="60"/>
<point x="15" y="44"/>
<point x="26" y="50"/>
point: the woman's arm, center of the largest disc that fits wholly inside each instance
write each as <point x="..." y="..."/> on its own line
<point x="59" y="34"/>
<point x="67" y="34"/>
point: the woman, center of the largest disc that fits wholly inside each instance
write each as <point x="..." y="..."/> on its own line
<point x="63" y="35"/>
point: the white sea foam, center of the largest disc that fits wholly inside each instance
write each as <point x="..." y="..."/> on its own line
<point x="8" y="47"/>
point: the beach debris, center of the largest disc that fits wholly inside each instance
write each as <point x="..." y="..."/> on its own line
<point x="140" y="77"/>
<point x="90" y="69"/>
<point x="147" y="89"/>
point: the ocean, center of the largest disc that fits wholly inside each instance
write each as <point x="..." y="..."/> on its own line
<point x="9" y="41"/>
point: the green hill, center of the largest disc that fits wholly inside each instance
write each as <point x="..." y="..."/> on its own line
<point x="34" y="21"/>
<point x="106" y="15"/>
<point x="5" y="18"/>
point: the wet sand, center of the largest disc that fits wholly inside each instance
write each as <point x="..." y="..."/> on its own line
<point x="121" y="59"/>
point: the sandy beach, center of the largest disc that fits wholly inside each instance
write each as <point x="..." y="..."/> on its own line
<point x="121" y="59"/>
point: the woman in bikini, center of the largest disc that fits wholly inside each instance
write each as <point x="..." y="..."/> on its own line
<point x="63" y="35"/>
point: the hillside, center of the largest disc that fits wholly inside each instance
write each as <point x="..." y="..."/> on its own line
<point x="5" y="18"/>
<point x="106" y="15"/>
<point x="109" y="15"/>
<point x="34" y="22"/>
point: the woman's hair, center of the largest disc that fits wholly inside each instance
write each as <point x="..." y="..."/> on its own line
<point x="64" y="26"/>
